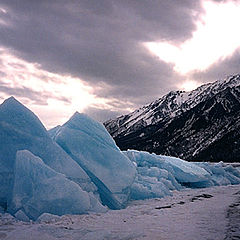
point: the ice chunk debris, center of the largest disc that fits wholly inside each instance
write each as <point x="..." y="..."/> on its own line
<point x="21" y="216"/>
<point x="21" y="129"/>
<point x="182" y="170"/>
<point x="48" y="217"/>
<point x="152" y="180"/>
<point x="159" y="174"/>
<point x="84" y="168"/>
<point x="221" y="174"/>
<point x="149" y="187"/>
<point x="39" y="189"/>
<point x="92" y="147"/>
<point x="1" y="210"/>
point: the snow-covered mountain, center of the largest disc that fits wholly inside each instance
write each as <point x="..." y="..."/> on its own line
<point x="199" y="125"/>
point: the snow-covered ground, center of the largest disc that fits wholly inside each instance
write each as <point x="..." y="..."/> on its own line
<point x="210" y="213"/>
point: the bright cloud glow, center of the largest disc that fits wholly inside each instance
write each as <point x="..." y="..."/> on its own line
<point x="53" y="97"/>
<point x="188" y="85"/>
<point x="217" y="36"/>
<point x="2" y="10"/>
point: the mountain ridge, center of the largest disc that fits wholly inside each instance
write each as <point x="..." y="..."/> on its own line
<point x="185" y="124"/>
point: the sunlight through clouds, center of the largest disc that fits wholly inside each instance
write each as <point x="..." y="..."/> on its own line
<point x="3" y="12"/>
<point x="217" y="37"/>
<point x="188" y="85"/>
<point x="49" y="94"/>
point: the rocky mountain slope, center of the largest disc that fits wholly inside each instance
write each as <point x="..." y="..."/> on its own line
<point x="201" y="125"/>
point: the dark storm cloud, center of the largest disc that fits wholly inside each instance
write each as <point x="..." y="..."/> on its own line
<point x="219" y="70"/>
<point x="100" y="41"/>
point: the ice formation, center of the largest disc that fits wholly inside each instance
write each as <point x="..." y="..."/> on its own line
<point x="80" y="168"/>
<point x="21" y="129"/>
<point x="155" y="177"/>
<point x="1" y="210"/>
<point x="221" y="174"/>
<point x="21" y="216"/>
<point x="183" y="171"/>
<point x="48" y="217"/>
<point x="157" y="174"/>
<point x="92" y="147"/>
<point x="39" y="189"/>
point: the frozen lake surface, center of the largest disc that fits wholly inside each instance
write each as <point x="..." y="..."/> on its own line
<point x="210" y="213"/>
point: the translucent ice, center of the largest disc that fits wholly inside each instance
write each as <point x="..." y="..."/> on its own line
<point x="20" y="215"/>
<point x="221" y="174"/>
<point x="183" y="171"/>
<point x="48" y="217"/>
<point x="152" y="180"/>
<point x="158" y="174"/>
<point x="91" y="146"/>
<point x="21" y="129"/>
<point x="149" y="187"/>
<point x="81" y="168"/>
<point x="1" y="210"/>
<point x="39" y="189"/>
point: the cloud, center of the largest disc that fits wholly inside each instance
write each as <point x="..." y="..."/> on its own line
<point x="216" y="37"/>
<point x="28" y="93"/>
<point x="44" y="91"/>
<point x="101" y="42"/>
<point x="88" y="55"/>
<point x="220" y="69"/>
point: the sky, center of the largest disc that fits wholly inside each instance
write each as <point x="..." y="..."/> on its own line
<point x="108" y="57"/>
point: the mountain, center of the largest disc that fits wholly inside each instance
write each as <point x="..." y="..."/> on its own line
<point x="201" y="125"/>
